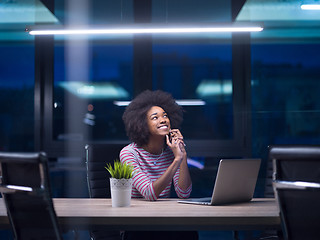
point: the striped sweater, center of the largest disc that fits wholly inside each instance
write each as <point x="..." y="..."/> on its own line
<point x="147" y="169"/>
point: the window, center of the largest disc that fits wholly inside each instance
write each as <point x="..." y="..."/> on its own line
<point x="16" y="98"/>
<point x="200" y="74"/>
<point x="93" y="78"/>
<point x="90" y="78"/>
<point x="285" y="101"/>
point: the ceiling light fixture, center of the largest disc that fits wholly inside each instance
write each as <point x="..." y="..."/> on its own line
<point x="181" y="102"/>
<point x="143" y="29"/>
<point x="310" y="6"/>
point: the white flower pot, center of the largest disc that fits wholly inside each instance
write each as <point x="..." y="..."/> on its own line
<point x="120" y="192"/>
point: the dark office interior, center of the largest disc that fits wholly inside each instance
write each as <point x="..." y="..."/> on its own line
<point x="242" y="92"/>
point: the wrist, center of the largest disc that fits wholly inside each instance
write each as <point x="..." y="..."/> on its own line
<point x="178" y="159"/>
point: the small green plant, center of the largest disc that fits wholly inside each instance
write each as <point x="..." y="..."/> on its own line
<point x="120" y="170"/>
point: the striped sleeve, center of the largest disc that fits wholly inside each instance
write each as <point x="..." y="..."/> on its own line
<point x="141" y="181"/>
<point x="180" y="192"/>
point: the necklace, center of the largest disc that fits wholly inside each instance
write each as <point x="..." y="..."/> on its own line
<point x="155" y="161"/>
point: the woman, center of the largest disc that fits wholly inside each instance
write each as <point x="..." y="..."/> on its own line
<point x="157" y="153"/>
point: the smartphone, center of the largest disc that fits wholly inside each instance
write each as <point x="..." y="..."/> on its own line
<point x="170" y="137"/>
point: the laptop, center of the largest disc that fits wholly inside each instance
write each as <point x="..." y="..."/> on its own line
<point x="235" y="182"/>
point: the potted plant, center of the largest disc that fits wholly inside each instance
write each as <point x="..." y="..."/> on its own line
<point x="120" y="183"/>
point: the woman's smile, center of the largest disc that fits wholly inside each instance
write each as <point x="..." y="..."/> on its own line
<point x="163" y="127"/>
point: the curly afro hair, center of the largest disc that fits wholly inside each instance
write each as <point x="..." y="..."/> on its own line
<point x="135" y="114"/>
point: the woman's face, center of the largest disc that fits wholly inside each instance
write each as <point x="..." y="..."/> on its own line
<point x="158" y="121"/>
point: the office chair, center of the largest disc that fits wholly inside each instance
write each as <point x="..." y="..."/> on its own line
<point x="299" y="209"/>
<point x="295" y="162"/>
<point x="270" y="234"/>
<point x="268" y="189"/>
<point x="26" y="192"/>
<point x="97" y="156"/>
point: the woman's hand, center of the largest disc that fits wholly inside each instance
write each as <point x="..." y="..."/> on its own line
<point x="180" y="157"/>
<point x="176" y="144"/>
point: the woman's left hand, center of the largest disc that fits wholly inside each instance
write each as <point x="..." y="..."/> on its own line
<point x="176" y="144"/>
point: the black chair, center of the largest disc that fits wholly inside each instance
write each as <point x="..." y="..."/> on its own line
<point x="268" y="188"/>
<point x="97" y="156"/>
<point x="26" y="192"/>
<point x="270" y="234"/>
<point x="295" y="162"/>
<point x="299" y="209"/>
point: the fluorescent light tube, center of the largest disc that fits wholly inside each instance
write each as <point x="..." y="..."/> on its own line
<point x="148" y="29"/>
<point x="181" y="102"/>
<point x="310" y="6"/>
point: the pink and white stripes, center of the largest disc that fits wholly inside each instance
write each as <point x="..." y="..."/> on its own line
<point x="148" y="168"/>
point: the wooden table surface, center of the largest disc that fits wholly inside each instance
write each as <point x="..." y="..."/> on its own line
<point x="163" y="214"/>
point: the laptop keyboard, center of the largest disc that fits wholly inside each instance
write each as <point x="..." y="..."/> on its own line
<point x="206" y="199"/>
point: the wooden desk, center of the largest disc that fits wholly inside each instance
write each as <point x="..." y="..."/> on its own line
<point x="164" y="214"/>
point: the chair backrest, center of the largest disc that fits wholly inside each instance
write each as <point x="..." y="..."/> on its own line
<point x="97" y="156"/>
<point x="296" y="162"/>
<point x="26" y="192"/>
<point x="299" y="209"/>
<point x="268" y="190"/>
